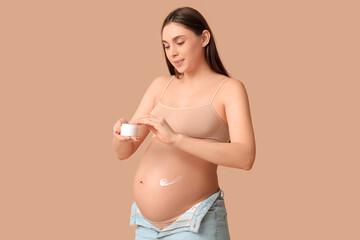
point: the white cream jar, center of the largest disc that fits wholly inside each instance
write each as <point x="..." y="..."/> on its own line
<point x="128" y="129"/>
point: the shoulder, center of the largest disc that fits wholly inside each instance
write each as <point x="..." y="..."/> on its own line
<point x="161" y="80"/>
<point x="158" y="83"/>
<point x="232" y="85"/>
<point x="233" y="89"/>
<point x="232" y="82"/>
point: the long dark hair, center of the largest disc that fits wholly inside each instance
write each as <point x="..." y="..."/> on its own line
<point x="194" y="21"/>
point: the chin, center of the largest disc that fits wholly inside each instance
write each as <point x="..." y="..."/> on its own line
<point x="179" y="71"/>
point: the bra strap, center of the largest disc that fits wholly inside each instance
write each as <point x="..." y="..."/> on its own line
<point x="212" y="99"/>
<point x="166" y="87"/>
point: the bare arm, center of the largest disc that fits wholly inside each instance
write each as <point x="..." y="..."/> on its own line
<point x="124" y="150"/>
<point x="234" y="155"/>
<point x="240" y="153"/>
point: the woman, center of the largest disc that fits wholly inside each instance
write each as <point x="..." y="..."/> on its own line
<point x="192" y="114"/>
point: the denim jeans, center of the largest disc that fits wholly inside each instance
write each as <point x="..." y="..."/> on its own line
<point x="205" y="220"/>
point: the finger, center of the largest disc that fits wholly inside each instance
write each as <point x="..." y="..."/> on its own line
<point x="135" y="138"/>
<point x="149" y="121"/>
<point x="139" y="119"/>
<point x="131" y="138"/>
<point x="117" y="129"/>
<point x="123" y="138"/>
<point x="153" y="129"/>
<point x="117" y="126"/>
<point x="147" y="116"/>
<point x="134" y="122"/>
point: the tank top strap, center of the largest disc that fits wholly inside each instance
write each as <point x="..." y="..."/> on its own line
<point x="212" y="99"/>
<point x="167" y="85"/>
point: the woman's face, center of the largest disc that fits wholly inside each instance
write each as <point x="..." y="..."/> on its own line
<point x="182" y="44"/>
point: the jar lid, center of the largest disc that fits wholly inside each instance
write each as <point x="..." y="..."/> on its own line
<point x="129" y="125"/>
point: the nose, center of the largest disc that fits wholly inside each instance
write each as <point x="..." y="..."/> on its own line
<point x="173" y="51"/>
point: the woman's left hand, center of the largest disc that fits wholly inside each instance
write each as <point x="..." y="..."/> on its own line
<point x="159" y="126"/>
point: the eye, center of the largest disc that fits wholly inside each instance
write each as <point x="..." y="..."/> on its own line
<point x="180" y="43"/>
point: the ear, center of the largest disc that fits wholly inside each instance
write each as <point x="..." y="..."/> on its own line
<point x="205" y="37"/>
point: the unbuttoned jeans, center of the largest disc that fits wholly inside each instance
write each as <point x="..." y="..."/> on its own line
<point x="205" y="220"/>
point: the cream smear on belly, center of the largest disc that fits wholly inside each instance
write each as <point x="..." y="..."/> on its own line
<point x="164" y="182"/>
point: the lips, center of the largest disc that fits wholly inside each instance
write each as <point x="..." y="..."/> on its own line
<point x="178" y="61"/>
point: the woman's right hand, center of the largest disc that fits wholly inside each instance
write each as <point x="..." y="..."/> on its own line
<point x="117" y="129"/>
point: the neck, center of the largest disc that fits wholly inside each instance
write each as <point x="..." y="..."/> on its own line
<point x="201" y="72"/>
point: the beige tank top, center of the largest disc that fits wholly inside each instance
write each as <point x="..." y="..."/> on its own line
<point x="197" y="122"/>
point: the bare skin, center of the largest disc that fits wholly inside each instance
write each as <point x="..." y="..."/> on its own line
<point x="170" y="154"/>
<point x="198" y="179"/>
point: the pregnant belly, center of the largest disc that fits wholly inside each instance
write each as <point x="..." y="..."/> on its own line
<point x="169" y="181"/>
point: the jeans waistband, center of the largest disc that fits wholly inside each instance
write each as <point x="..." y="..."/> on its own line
<point x="190" y="220"/>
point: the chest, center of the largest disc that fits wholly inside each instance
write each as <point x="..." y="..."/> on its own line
<point x="197" y="122"/>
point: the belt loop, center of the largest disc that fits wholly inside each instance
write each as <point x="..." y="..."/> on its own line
<point x="222" y="193"/>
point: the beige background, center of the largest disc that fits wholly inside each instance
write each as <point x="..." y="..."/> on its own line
<point x="70" y="69"/>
